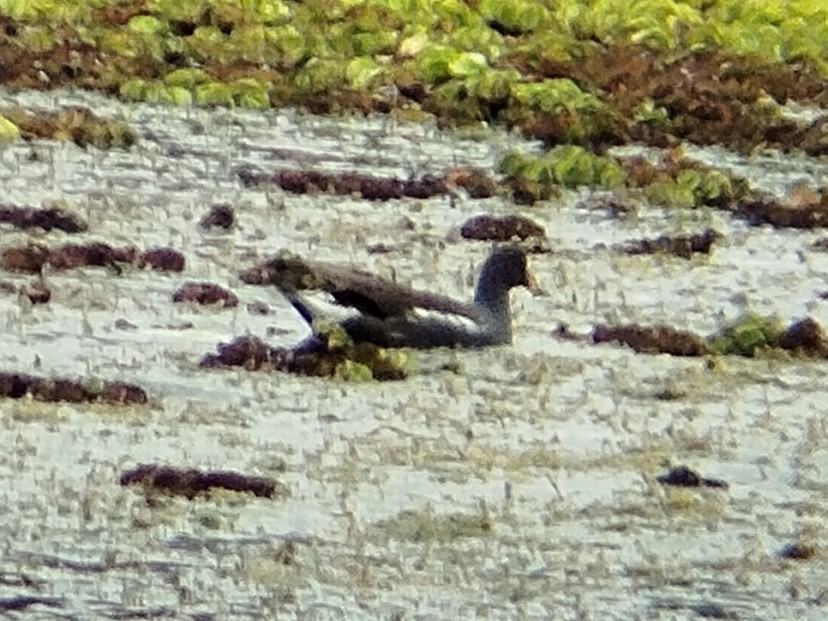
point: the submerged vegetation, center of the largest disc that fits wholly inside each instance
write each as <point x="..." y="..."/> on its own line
<point x="578" y="75"/>
<point x="590" y="73"/>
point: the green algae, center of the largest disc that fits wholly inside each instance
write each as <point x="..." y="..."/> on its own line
<point x="9" y="132"/>
<point x="510" y="62"/>
<point x="355" y="362"/>
<point x="564" y="165"/>
<point x="749" y="335"/>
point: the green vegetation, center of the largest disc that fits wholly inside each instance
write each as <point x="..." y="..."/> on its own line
<point x="537" y="177"/>
<point x="748" y="335"/>
<point x="356" y="362"/>
<point x="570" y="72"/>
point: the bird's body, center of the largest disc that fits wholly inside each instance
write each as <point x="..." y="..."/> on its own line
<point x="394" y="316"/>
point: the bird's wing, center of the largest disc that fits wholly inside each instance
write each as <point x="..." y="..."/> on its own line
<point x="369" y="294"/>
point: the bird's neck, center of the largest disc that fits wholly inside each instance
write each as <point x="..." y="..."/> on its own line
<point x="496" y="302"/>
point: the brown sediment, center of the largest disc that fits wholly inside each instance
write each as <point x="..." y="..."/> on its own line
<point x="32" y="258"/>
<point x="19" y="385"/>
<point x="683" y="246"/>
<point x="190" y="483"/>
<point x="221" y="216"/>
<point x="798" y="551"/>
<point x="653" y="340"/>
<point x="500" y="228"/>
<point x="682" y="476"/>
<point x="29" y="259"/>
<point x="253" y="354"/>
<point x="163" y="259"/>
<point x="94" y="254"/>
<point x="46" y="219"/>
<point x="205" y="293"/>
<point x="245" y="351"/>
<point x="801" y="209"/>
<point x="477" y="183"/>
<point x="805" y="337"/>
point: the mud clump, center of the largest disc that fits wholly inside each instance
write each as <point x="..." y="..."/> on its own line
<point x="163" y="259"/>
<point x="802" y="209"/>
<point x="805" y="337"/>
<point x="205" y="293"/>
<point x="683" y="246"/>
<point x="29" y="259"/>
<point x="191" y="483"/>
<point x="655" y="340"/>
<point x="798" y="551"/>
<point x="32" y="258"/>
<point x="345" y="360"/>
<point x="682" y="476"/>
<point x="221" y="216"/>
<point x="46" y="219"/>
<point x="245" y="351"/>
<point x="19" y="385"/>
<point x="504" y="228"/>
<point x="476" y="183"/>
<point x="95" y="254"/>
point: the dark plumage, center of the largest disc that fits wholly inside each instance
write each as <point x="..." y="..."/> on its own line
<point x="388" y="316"/>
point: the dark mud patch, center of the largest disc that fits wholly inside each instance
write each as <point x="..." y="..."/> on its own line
<point x="653" y="340"/>
<point x="248" y="352"/>
<point x="345" y="360"/>
<point x="19" y="385"/>
<point x="682" y="476"/>
<point x="163" y="260"/>
<point x="798" y="551"/>
<point x="805" y="337"/>
<point x="503" y="228"/>
<point x="46" y="219"/>
<point x="80" y="125"/>
<point x="221" y="216"/>
<point x="36" y="291"/>
<point x="191" y="483"/>
<point x="207" y="294"/>
<point x="802" y="208"/>
<point x="683" y="246"/>
<point x="476" y="183"/>
<point x="748" y="336"/>
<point x="34" y="257"/>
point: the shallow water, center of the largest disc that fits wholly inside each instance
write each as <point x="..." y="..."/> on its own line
<point x="554" y="444"/>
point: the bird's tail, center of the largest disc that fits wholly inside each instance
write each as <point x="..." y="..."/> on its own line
<point x="301" y="306"/>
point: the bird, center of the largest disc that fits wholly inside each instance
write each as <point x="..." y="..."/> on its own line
<point x="390" y="315"/>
